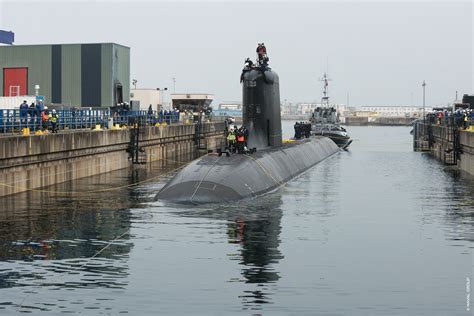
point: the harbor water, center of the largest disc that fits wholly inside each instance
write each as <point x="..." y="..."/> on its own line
<point x="376" y="230"/>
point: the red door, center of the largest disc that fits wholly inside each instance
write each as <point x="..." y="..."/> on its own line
<point x="15" y="82"/>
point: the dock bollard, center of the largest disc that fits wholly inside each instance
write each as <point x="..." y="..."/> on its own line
<point x="26" y="131"/>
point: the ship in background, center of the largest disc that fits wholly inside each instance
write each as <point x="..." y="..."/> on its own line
<point x="325" y="120"/>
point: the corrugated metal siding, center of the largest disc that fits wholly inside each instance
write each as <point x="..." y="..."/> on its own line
<point x="107" y="75"/>
<point x="71" y="75"/>
<point x="122" y="70"/>
<point x="91" y="73"/>
<point x="115" y="67"/>
<point x="38" y="61"/>
<point x="56" y="63"/>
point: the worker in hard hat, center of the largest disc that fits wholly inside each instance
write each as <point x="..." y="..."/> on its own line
<point x="53" y="119"/>
<point x="231" y="138"/>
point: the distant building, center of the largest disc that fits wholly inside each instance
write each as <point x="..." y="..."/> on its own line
<point x="90" y="75"/>
<point x="468" y="100"/>
<point x="395" y="111"/>
<point x="287" y="108"/>
<point x="147" y="97"/>
<point x="191" y="101"/>
<point x="230" y="106"/>
<point x="305" y="108"/>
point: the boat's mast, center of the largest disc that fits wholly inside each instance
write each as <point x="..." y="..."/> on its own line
<point x="325" y="98"/>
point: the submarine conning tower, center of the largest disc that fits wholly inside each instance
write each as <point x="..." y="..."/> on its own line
<point x="261" y="105"/>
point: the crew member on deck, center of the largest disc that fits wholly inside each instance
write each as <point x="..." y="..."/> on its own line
<point x="262" y="53"/>
<point x="231" y="140"/>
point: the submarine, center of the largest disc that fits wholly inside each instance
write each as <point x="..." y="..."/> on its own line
<point x="223" y="177"/>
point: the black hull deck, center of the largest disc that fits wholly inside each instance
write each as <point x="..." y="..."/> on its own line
<point x="218" y="179"/>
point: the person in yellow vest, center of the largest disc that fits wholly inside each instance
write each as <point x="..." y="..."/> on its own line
<point x="53" y="118"/>
<point x="231" y="140"/>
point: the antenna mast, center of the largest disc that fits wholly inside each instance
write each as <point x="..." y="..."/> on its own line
<point x="325" y="98"/>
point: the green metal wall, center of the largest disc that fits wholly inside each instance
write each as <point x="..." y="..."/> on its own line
<point x="37" y="58"/>
<point x="107" y="74"/>
<point x="71" y="74"/>
<point x="122" y="71"/>
<point x="115" y="65"/>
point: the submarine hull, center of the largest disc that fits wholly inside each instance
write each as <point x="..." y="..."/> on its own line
<point x="220" y="179"/>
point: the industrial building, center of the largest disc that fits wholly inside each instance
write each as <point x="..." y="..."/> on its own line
<point x="195" y="102"/>
<point x="88" y="75"/>
<point x="232" y="105"/>
<point x="145" y="97"/>
<point x="394" y="111"/>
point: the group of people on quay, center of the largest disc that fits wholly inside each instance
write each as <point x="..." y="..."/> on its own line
<point x="39" y="116"/>
<point x="302" y="130"/>
<point x="461" y="118"/>
<point x="164" y="116"/>
<point x="175" y="115"/>
<point x="237" y="139"/>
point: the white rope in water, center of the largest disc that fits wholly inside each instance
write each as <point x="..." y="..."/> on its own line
<point x="87" y="262"/>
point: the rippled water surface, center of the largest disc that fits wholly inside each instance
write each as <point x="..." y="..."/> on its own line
<point x="376" y="230"/>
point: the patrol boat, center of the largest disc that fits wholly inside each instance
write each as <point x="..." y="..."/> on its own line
<point x="325" y="122"/>
<point x="223" y="177"/>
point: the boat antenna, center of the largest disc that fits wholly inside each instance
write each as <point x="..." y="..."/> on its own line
<point x="325" y="98"/>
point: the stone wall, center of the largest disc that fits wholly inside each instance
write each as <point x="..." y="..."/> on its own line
<point x="440" y="141"/>
<point x="37" y="161"/>
<point x="378" y="121"/>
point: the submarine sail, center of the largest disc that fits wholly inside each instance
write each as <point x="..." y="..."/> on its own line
<point x="261" y="107"/>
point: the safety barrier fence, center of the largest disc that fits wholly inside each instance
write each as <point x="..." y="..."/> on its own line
<point x="12" y="121"/>
<point x="450" y="120"/>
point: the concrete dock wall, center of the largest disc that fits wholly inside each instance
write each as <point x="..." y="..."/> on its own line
<point x="451" y="146"/>
<point x="37" y="161"/>
<point x="378" y="121"/>
<point x="466" y="161"/>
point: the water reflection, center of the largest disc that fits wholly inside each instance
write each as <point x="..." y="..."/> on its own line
<point x="66" y="241"/>
<point x="449" y="196"/>
<point x="255" y="227"/>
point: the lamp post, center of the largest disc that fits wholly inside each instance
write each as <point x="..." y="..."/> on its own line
<point x="424" y="116"/>
<point x="134" y="82"/>
<point x="174" y="84"/>
<point x="162" y="91"/>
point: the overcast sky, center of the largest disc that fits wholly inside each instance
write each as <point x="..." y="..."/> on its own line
<point x="378" y="52"/>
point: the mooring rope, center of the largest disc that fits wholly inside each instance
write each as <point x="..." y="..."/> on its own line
<point x="200" y="182"/>
<point x="82" y="266"/>
<point x="24" y="189"/>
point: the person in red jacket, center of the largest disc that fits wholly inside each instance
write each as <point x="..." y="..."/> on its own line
<point x="261" y="52"/>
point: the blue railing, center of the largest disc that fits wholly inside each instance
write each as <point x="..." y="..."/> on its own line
<point x="15" y="120"/>
<point x="450" y="119"/>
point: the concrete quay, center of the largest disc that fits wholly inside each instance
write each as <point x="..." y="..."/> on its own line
<point x="361" y="120"/>
<point x="450" y="145"/>
<point x="38" y="161"/>
<point x="378" y="121"/>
